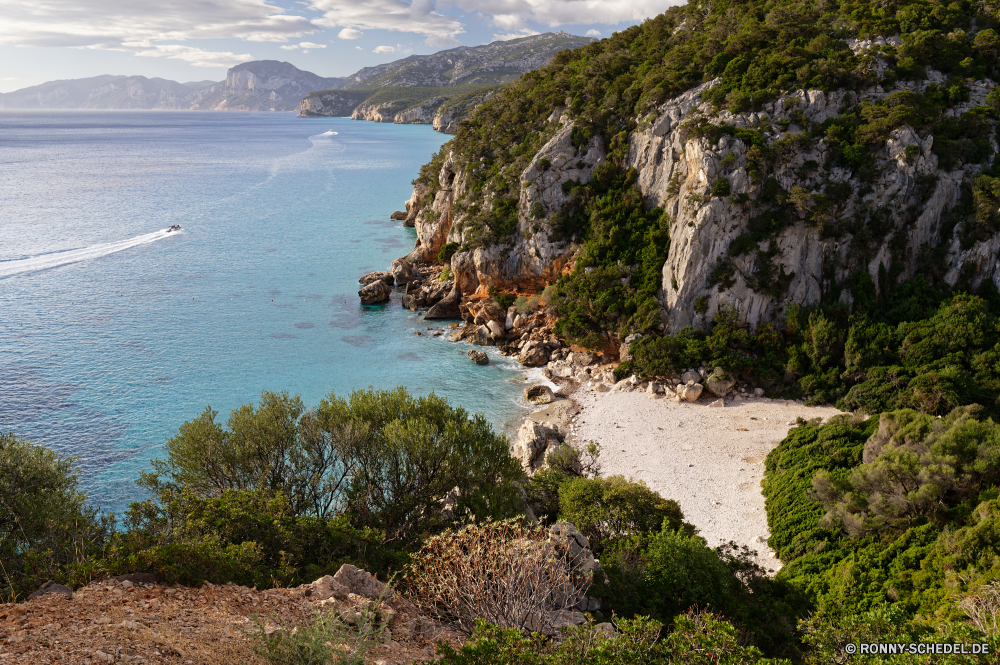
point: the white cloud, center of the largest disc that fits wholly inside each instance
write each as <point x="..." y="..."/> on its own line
<point x="289" y="47"/>
<point x="311" y="45"/>
<point x="350" y="33"/>
<point x="138" y="26"/>
<point x="419" y="16"/>
<point x="514" y="35"/>
<point x="515" y="14"/>
<point x="195" y="56"/>
<point x="359" y="48"/>
<point x="384" y="49"/>
<point x="593" y="33"/>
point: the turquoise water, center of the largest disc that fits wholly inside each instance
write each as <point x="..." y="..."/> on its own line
<point x="113" y="332"/>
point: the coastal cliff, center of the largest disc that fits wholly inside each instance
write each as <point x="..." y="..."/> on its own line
<point x="764" y="208"/>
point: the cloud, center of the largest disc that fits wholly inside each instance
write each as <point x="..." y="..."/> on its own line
<point x="289" y="47"/>
<point x="516" y="14"/>
<point x="311" y="45"/>
<point x="350" y="33"/>
<point x="195" y="56"/>
<point x="593" y="33"/>
<point x="384" y="49"/>
<point x="419" y="16"/>
<point x="139" y="26"/>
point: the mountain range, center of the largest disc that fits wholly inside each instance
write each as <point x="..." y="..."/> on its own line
<point x="269" y="85"/>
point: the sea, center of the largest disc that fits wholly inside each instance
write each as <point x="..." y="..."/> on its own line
<point x="114" y="331"/>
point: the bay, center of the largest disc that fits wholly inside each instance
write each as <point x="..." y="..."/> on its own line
<point x="113" y="331"/>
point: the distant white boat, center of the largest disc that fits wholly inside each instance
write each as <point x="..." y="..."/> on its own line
<point x="175" y="227"/>
<point x="329" y="132"/>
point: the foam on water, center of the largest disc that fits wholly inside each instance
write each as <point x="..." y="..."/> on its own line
<point x="56" y="259"/>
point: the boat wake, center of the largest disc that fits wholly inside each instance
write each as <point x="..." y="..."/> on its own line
<point x="56" y="259"/>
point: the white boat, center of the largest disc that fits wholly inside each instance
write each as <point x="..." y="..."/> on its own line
<point x="175" y="227"/>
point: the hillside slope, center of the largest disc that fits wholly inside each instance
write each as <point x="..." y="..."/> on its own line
<point x="783" y="152"/>
<point x="437" y="89"/>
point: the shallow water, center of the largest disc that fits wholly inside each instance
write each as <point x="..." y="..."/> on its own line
<point x="113" y="332"/>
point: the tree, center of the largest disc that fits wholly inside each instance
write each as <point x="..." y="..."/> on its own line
<point x="46" y="529"/>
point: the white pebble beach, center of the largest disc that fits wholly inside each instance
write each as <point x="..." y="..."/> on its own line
<point x="708" y="459"/>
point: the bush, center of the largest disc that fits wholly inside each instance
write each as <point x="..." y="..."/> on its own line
<point x="385" y="459"/>
<point x="324" y="640"/>
<point x="252" y="538"/>
<point x="507" y="573"/>
<point x="695" y="639"/>
<point x="721" y="187"/>
<point x="46" y="529"/>
<point x="448" y="251"/>
<point x="607" y="510"/>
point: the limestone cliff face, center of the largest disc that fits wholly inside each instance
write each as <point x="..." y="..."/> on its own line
<point x="435" y="111"/>
<point x="811" y="255"/>
<point x="677" y="171"/>
<point x="533" y="258"/>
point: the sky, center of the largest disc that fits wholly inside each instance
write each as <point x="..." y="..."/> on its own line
<point x="198" y="40"/>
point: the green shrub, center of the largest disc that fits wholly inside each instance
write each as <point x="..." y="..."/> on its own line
<point x="251" y="538"/>
<point x="448" y="251"/>
<point x="695" y="639"/>
<point x="384" y="458"/>
<point x="502" y="299"/>
<point x="324" y="640"/>
<point x="721" y="187"/>
<point x="609" y="509"/>
<point x="46" y="529"/>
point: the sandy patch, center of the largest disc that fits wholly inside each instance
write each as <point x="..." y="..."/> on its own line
<point x="709" y="460"/>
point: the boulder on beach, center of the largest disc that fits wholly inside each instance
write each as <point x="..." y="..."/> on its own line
<point x="690" y="392"/>
<point x="374" y="293"/>
<point x="479" y="357"/>
<point x="539" y="394"/>
<point x="689" y="376"/>
<point x="482" y="336"/>
<point x="719" y="383"/>
<point x="533" y="354"/>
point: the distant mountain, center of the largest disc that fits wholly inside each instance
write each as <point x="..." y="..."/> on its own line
<point x="499" y="62"/>
<point x="263" y="85"/>
<point x="415" y="89"/>
<point x="101" y="92"/>
<point x="438" y="89"/>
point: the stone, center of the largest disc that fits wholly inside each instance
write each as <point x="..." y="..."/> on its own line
<point x="533" y="354"/>
<point x="482" y="336"/>
<point x="399" y="216"/>
<point x="719" y="383"/>
<point x="719" y="402"/>
<point x="497" y="331"/>
<point x="531" y="442"/>
<point x="362" y="583"/>
<point x="758" y="392"/>
<point x="374" y="293"/>
<point x="690" y="375"/>
<point x="378" y="275"/>
<point x="51" y="587"/>
<point x="402" y="271"/>
<point x="539" y="395"/>
<point x="446" y="308"/>
<point x="691" y="393"/>
<point x="325" y="588"/>
<point x="479" y="357"/>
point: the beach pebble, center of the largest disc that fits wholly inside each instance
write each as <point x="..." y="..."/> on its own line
<point x="718" y="402"/>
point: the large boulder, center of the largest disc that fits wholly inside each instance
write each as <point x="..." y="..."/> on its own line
<point x="531" y="443"/>
<point x="446" y="308"/>
<point x="534" y="354"/>
<point x="375" y="292"/>
<point x="376" y="276"/>
<point x="403" y="272"/>
<point x="719" y="383"/>
<point x="691" y="392"/>
<point x="496" y="330"/>
<point x="479" y="357"/>
<point x="690" y="375"/>
<point x="482" y="336"/>
<point x="326" y="587"/>
<point x="361" y="582"/>
<point x="539" y="394"/>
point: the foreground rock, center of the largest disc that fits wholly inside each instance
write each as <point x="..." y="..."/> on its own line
<point x="539" y="395"/>
<point x="374" y="293"/>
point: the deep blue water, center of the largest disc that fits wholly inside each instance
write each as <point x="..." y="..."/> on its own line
<point x="113" y="332"/>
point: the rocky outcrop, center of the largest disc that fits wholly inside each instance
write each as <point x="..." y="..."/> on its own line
<point x="532" y="442"/>
<point x="678" y="162"/>
<point x="374" y="293"/>
<point x="479" y="357"/>
<point x="539" y="395"/>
